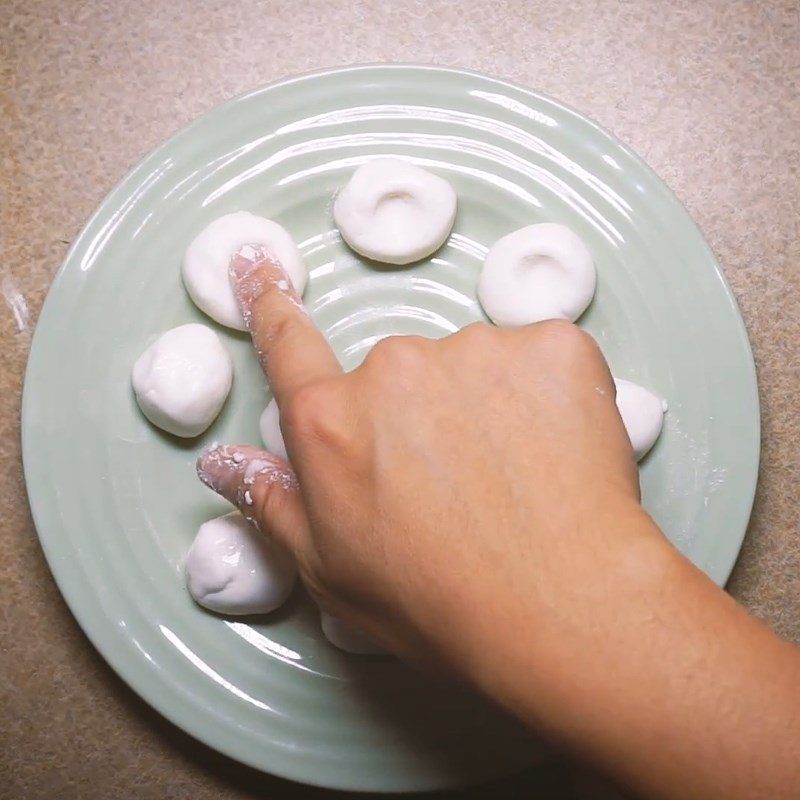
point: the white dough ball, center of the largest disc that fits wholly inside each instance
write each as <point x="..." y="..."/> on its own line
<point x="208" y="257"/>
<point x="347" y="638"/>
<point x="642" y="414"/>
<point x="231" y="568"/>
<point x="539" y="272"/>
<point x="182" y="380"/>
<point x="394" y="211"/>
<point x="270" y="426"/>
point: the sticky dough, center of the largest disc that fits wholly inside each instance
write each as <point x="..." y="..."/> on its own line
<point x="642" y="414"/>
<point x="182" y="380"/>
<point x="395" y="212"/>
<point x="348" y="638"/>
<point x="270" y="426"/>
<point x="207" y="259"/>
<point x="231" y="568"/>
<point x="539" y="272"/>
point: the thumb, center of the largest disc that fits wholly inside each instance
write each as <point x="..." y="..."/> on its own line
<point x="264" y="488"/>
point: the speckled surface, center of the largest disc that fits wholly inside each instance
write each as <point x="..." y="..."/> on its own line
<point x="707" y="92"/>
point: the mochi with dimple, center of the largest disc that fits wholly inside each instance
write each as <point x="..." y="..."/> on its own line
<point x="232" y="568"/>
<point x="642" y="414"/>
<point x="348" y="638"/>
<point x="394" y="211"/>
<point x="207" y="261"/>
<point x="270" y="426"/>
<point x="539" y="272"/>
<point x="182" y="380"/>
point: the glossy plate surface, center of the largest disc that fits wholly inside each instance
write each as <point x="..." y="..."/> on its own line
<point x="117" y="503"/>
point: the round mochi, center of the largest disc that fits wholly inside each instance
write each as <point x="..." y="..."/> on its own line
<point x="270" y="426"/>
<point x="539" y="272"/>
<point x="182" y="380"/>
<point x="231" y="568"/>
<point x="344" y="636"/>
<point x="642" y="414"/>
<point x="208" y="257"/>
<point x="395" y="212"/>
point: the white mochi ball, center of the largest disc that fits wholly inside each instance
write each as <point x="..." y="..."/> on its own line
<point x="394" y="211"/>
<point x="232" y="568"/>
<point x="182" y="380"/>
<point x="208" y="257"/>
<point x="642" y="414"/>
<point x="539" y="272"/>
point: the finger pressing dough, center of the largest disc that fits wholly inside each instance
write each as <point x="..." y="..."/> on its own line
<point x="393" y="211"/>
<point x="539" y="272"/>
<point x="208" y="257"/>
<point x="182" y="380"/>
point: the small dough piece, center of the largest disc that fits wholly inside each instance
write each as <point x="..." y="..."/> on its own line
<point x="394" y="211"/>
<point x="271" y="435"/>
<point x="205" y="265"/>
<point x="539" y="272"/>
<point x="231" y="568"/>
<point x="182" y="380"/>
<point x="642" y="414"/>
<point x="348" y="638"/>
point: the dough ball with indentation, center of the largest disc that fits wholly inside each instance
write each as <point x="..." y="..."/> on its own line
<point x="271" y="435"/>
<point x="208" y="257"/>
<point x="348" y="638"/>
<point x="539" y="272"/>
<point x="642" y="414"/>
<point x="231" y="568"/>
<point x="182" y="380"/>
<point x="394" y="211"/>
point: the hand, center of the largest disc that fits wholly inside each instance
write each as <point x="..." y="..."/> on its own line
<point x="472" y="503"/>
<point x="438" y="477"/>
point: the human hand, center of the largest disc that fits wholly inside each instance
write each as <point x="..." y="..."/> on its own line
<point x="472" y="503"/>
<point x="440" y="482"/>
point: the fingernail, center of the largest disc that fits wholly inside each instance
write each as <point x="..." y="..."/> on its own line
<point x="231" y="470"/>
<point x="246" y="259"/>
<point x="216" y="465"/>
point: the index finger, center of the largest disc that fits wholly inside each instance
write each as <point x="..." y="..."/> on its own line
<point x="291" y="349"/>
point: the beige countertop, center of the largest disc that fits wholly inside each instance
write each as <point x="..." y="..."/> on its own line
<point x="707" y="92"/>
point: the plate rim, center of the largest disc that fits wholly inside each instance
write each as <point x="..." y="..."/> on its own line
<point x="176" y="708"/>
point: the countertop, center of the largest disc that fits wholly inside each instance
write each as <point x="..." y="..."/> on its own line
<point x="707" y="92"/>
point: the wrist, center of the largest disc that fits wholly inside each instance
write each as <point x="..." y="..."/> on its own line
<point x="537" y="647"/>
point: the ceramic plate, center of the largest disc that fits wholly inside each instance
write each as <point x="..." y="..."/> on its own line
<point x="116" y="502"/>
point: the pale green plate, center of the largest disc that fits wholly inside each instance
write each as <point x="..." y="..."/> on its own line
<point x="117" y="503"/>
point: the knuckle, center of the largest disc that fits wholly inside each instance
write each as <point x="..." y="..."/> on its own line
<point x="304" y="407"/>
<point x="312" y="412"/>
<point x="558" y="328"/>
<point x="398" y="353"/>
<point x="477" y="334"/>
<point x="566" y="344"/>
<point x="567" y="337"/>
